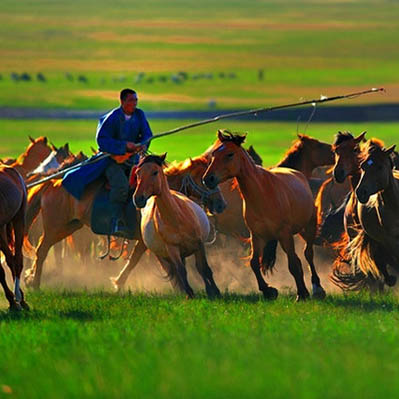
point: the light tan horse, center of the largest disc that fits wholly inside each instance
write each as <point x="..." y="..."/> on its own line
<point x="172" y="226"/>
<point x="12" y="220"/>
<point x="278" y="204"/>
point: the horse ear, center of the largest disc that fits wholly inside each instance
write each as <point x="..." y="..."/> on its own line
<point x="390" y="150"/>
<point x="66" y="148"/>
<point x="31" y="139"/>
<point x="163" y="157"/>
<point x="53" y="147"/>
<point x="361" y="137"/>
<point x="300" y="136"/>
<point x="220" y="135"/>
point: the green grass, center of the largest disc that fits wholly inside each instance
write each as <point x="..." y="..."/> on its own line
<point x="79" y="344"/>
<point x="271" y="139"/>
<point x="305" y="48"/>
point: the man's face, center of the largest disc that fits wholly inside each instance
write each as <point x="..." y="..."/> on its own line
<point x="129" y="104"/>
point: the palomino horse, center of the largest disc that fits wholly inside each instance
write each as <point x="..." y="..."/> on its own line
<point x="186" y="177"/>
<point x="12" y="220"/>
<point x="278" y="204"/>
<point x="377" y="210"/>
<point x="62" y="215"/>
<point x="172" y="226"/>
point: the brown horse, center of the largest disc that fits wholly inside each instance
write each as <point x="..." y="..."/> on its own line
<point x="172" y="226"/>
<point x="278" y="204"/>
<point x="62" y="215"/>
<point x="12" y="220"/>
<point x="376" y="208"/>
<point x="37" y="151"/>
<point x="305" y="154"/>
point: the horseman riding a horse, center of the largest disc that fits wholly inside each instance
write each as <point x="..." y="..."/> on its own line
<point x="122" y="133"/>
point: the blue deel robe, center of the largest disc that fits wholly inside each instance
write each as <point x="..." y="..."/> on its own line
<point x="113" y="131"/>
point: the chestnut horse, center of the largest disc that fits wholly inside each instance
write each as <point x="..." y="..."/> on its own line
<point x="305" y="154"/>
<point x="62" y="215"/>
<point x="377" y="210"/>
<point x="37" y="151"/>
<point x="172" y="226"/>
<point x="346" y="175"/>
<point x="12" y="220"/>
<point x="278" y="204"/>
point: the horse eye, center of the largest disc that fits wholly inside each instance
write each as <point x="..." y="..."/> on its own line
<point x="155" y="173"/>
<point x="230" y="155"/>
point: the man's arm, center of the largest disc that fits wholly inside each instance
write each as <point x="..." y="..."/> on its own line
<point x="105" y="136"/>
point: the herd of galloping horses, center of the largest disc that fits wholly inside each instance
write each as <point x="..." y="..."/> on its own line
<point x="342" y="196"/>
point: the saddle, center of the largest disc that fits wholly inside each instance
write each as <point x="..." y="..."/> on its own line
<point x="100" y="220"/>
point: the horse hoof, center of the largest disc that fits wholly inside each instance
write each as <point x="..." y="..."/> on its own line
<point x="114" y="281"/>
<point x="318" y="292"/>
<point x="15" y="307"/>
<point x="270" y="293"/>
<point x="390" y="281"/>
<point x="302" y="298"/>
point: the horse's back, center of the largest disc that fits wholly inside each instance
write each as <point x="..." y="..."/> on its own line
<point x="12" y="193"/>
<point x="196" y="225"/>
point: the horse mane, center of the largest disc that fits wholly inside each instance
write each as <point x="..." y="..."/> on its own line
<point x="236" y="138"/>
<point x="159" y="160"/>
<point x="340" y="137"/>
<point x="178" y="167"/>
<point x="373" y="145"/>
<point x="294" y="154"/>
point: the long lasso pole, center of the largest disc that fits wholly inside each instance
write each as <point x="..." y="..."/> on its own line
<point x="322" y="99"/>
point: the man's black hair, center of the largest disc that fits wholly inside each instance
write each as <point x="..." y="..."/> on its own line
<point x="125" y="93"/>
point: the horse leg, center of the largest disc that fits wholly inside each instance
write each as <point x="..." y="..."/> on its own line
<point x="256" y="246"/>
<point x="19" y="226"/>
<point x="309" y="235"/>
<point x="58" y="249"/>
<point x="205" y="271"/>
<point x="14" y="305"/>
<point x="137" y="253"/>
<point x="181" y="272"/>
<point x="294" y="266"/>
<point x="47" y="240"/>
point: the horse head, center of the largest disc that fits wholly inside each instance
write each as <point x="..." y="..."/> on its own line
<point x="347" y="150"/>
<point x="190" y="183"/>
<point x="150" y="178"/>
<point x="317" y="152"/>
<point x="225" y="161"/>
<point x="376" y="167"/>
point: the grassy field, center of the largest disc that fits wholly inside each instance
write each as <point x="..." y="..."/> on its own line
<point x="78" y="344"/>
<point x="304" y="48"/>
<point x="271" y="139"/>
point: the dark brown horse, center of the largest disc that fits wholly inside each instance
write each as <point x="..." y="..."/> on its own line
<point x="278" y="204"/>
<point x="376" y="207"/>
<point x="62" y="215"/>
<point x="12" y="220"/>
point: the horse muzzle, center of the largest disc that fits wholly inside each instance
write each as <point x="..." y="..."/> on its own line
<point x="139" y="201"/>
<point x="362" y="195"/>
<point x="339" y="175"/>
<point x="211" y="181"/>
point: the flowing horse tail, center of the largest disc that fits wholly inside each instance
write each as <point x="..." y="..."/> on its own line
<point x="269" y="256"/>
<point x="355" y="268"/>
<point x="32" y="211"/>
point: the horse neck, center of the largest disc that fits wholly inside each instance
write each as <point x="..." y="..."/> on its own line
<point x="390" y="194"/>
<point x="166" y="204"/>
<point x="298" y="161"/>
<point x="28" y="163"/>
<point x="248" y="177"/>
<point x="174" y="180"/>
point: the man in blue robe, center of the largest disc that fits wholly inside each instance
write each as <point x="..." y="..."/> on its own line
<point x="122" y="130"/>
